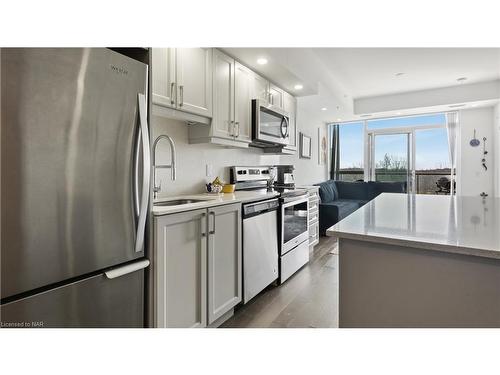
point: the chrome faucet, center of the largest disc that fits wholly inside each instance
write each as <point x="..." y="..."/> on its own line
<point x="157" y="189"/>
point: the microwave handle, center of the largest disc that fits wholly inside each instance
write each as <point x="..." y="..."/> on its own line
<point x="284" y="121"/>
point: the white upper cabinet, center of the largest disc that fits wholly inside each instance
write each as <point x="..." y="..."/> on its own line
<point x="194" y="80"/>
<point x="290" y="105"/>
<point x="260" y="88"/>
<point x="276" y="96"/>
<point x="163" y="70"/>
<point x="243" y="90"/>
<point x="182" y="79"/>
<point x="223" y="114"/>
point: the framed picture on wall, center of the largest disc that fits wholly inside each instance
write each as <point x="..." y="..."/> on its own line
<point x="322" y="146"/>
<point x="305" y="146"/>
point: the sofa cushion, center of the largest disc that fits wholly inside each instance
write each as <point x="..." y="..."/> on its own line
<point x="342" y="207"/>
<point x="352" y="190"/>
<point x="372" y="191"/>
<point x="328" y="191"/>
<point x="390" y="187"/>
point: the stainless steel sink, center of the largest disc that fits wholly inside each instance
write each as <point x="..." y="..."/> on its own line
<point x="178" y="202"/>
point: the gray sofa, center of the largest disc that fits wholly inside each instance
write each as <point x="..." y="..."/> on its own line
<point x="341" y="198"/>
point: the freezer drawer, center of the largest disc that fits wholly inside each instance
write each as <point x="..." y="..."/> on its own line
<point x="97" y="302"/>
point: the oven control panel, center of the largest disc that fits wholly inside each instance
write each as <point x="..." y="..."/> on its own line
<point x="244" y="174"/>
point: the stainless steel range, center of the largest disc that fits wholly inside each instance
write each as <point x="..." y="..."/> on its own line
<point x="292" y="229"/>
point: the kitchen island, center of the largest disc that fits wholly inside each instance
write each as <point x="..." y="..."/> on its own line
<point x="420" y="261"/>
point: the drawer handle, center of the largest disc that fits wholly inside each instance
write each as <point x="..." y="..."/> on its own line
<point x="172" y="86"/>
<point x="213" y="215"/>
<point x="124" y="270"/>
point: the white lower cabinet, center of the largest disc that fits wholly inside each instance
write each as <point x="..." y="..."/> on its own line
<point x="224" y="260"/>
<point x="198" y="266"/>
<point x="181" y="269"/>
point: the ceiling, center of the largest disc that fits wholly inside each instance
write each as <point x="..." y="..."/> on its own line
<point x="373" y="71"/>
<point x="333" y="77"/>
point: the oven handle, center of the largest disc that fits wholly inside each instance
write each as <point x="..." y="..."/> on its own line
<point x="291" y="201"/>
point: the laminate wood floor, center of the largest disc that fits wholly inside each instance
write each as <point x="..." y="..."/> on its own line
<point x="306" y="300"/>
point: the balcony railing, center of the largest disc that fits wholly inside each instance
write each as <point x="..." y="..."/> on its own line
<point x="425" y="180"/>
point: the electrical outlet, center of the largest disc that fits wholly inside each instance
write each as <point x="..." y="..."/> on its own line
<point x="209" y="170"/>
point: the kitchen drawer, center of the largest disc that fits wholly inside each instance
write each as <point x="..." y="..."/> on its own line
<point x="313" y="194"/>
<point x="313" y="234"/>
<point x="313" y="216"/>
<point x="293" y="260"/>
<point x="313" y="203"/>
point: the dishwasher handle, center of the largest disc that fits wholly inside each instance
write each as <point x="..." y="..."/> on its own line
<point x="259" y="208"/>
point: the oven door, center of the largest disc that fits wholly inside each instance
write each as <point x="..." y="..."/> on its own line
<point x="271" y="124"/>
<point x="294" y="220"/>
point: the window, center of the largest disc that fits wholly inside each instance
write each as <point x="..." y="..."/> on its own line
<point x="351" y="143"/>
<point x="409" y="121"/>
<point x="412" y="149"/>
<point x="432" y="161"/>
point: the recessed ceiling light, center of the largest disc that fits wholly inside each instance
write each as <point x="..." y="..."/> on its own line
<point x="474" y="105"/>
<point x="398" y="113"/>
<point x="298" y="87"/>
<point x="339" y="119"/>
<point x="262" y="61"/>
<point x="461" y="79"/>
<point x="324" y="109"/>
<point x="399" y="74"/>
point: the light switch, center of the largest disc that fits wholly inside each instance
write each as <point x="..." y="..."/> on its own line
<point x="209" y="170"/>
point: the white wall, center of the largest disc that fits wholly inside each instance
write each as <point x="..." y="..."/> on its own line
<point x="192" y="158"/>
<point x="308" y="171"/>
<point x="496" y="151"/>
<point x="473" y="179"/>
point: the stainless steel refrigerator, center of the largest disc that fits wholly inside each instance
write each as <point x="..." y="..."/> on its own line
<point x="74" y="188"/>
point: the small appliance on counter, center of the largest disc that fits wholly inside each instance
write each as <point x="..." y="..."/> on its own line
<point x="292" y="220"/>
<point x="284" y="177"/>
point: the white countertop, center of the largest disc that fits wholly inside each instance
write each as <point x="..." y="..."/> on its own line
<point x="210" y="200"/>
<point x="465" y="225"/>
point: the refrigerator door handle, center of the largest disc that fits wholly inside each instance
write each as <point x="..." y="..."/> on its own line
<point x="136" y="175"/>
<point x="128" y="268"/>
<point x="146" y="170"/>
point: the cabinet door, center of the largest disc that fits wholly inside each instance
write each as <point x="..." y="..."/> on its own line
<point x="224" y="260"/>
<point x="243" y="81"/>
<point x="181" y="269"/>
<point x="276" y="96"/>
<point x="290" y="105"/>
<point x="163" y="70"/>
<point x="194" y="80"/>
<point x="223" y="96"/>
<point x="260" y="89"/>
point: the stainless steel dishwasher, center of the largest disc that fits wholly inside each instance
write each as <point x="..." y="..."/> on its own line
<point x="260" y="246"/>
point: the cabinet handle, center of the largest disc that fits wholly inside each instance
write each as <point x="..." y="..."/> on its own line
<point x="237" y="123"/>
<point x="181" y="94"/>
<point x="213" y="215"/>
<point x="203" y="216"/>
<point x="231" y="128"/>
<point x="172" y="87"/>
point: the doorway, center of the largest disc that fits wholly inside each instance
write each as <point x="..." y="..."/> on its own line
<point x="391" y="157"/>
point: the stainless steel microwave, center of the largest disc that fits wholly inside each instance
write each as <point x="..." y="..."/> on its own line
<point x="270" y="124"/>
